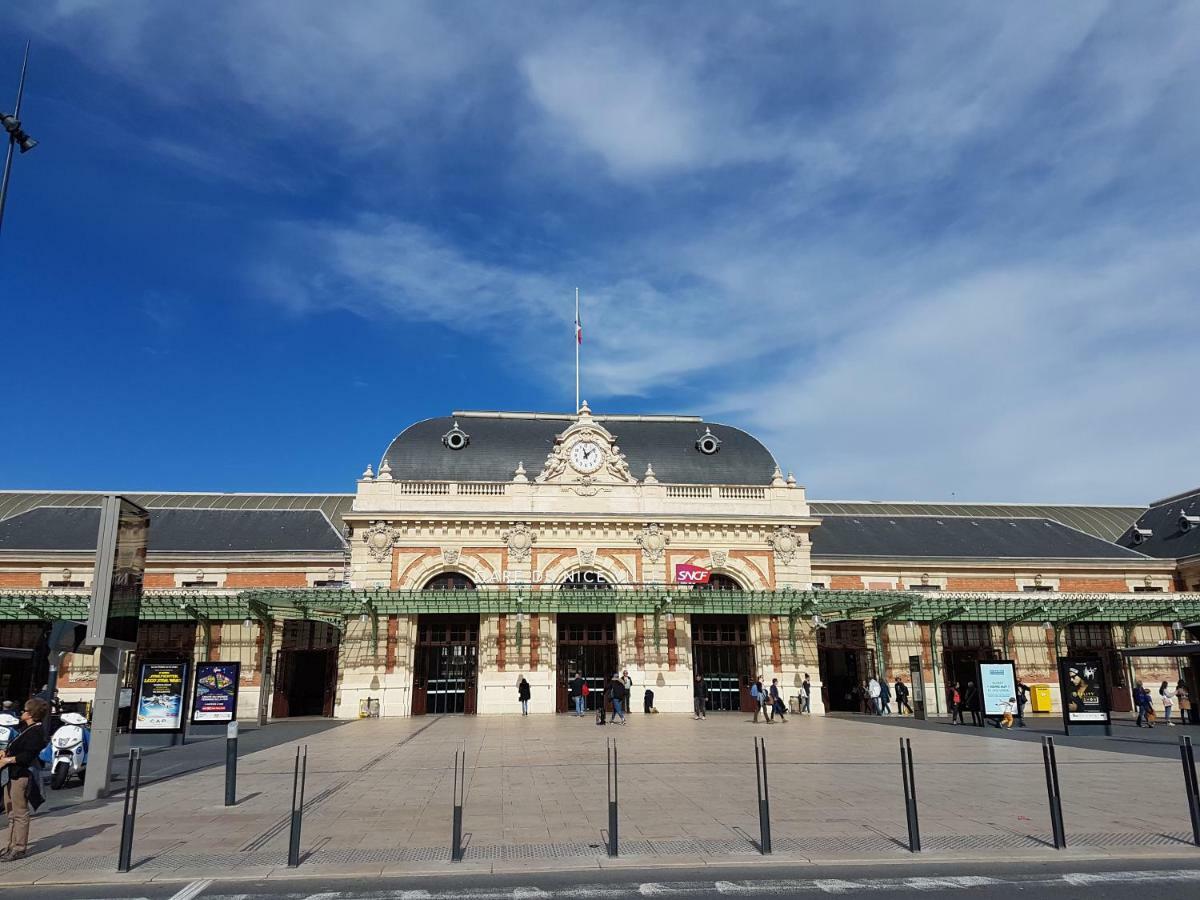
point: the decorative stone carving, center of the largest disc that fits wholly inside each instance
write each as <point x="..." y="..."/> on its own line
<point x="653" y="541"/>
<point x="519" y="476"/>
<point x="777" y="478"/>
<point x="587" y="557"/>
<point x="368" y="475"/>
<point x="450" y="555"/>
<point x="379" y="539"/>
<point x="586" y="487"/>
<point x="617" y="466"/>
<point x="385" y="470"/>
<point x="583" y="432"/>
<point x="719" y="558"/>
<point x="519" y="540"/>
<point x="785" y="542"/>
<point x="649" y="477"/>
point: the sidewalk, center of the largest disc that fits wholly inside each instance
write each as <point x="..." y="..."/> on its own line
<point x="378" y="801"/>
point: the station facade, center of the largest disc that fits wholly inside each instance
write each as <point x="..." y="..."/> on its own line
<point x="486" y="547"/>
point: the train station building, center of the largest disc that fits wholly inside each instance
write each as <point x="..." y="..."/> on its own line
<point x="482" y="547"/>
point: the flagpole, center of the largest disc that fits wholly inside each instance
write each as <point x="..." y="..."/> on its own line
<point x="577" y="342"/>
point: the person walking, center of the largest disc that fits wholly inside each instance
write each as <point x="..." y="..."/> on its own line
<point x="971" y="701"/>
<point x="885" y="697"/>
<point x="778" y="707"/>
<point x="1168" y="701"/>
<point x="806" y="702"/>
<point x="617" y="692"/>
<point x="1141" y="700"/>
<point x="22" y="776"/>
<point x="699" y="693"/>
<point x="873" y="694"/>
<point x="523" y="695"/>
<point x="575" y="691"/>
<point x="1022" y="699"/>
<point x="1185" y="703"/>
<point x="756" y="698"/>
<point x="901" y="692"/>
<point x="954" y="699"/>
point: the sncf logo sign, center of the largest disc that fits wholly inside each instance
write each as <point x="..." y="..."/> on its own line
<point x="687" y="574"/>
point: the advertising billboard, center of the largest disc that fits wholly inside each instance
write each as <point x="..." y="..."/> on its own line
<point x="161" y="694"/>
<point x="689" y="574"/>
<point x="120" y="568"/>
<point x="1084" y="692"/>
<point x="215" y="691"/>
<point x="997" y="685"/>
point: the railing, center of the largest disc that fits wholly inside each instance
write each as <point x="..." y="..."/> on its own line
<point x="688" y="492"/>
<point x="743" y="493"/>
<point x="482" y="488"/>
<point x="425" y="488"/>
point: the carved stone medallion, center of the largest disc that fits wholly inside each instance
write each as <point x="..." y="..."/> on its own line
<point x="785" y="542"/>
<point x="519" y="540"/>
<point x="379" y="539"/>
<point x="653" y="541"/>
<point x="450" y="555"/>
<point x="719" y="557"/>
<point x="587" y="557"/>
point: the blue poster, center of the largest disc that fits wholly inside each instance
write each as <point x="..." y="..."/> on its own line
<point x="216" y="691"/>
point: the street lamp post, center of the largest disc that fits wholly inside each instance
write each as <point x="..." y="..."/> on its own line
<point x="17" y="138"/>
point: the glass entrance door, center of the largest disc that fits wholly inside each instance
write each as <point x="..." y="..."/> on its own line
<point x="587" y="645"/>
<point x="725" y="661"/>
<point x="445" y="665"/>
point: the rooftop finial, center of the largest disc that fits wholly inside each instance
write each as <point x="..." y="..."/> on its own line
<point x="369" y="474"/>
<point x="584" y="410"/>
<point x="649" y="477"/>
<point x="519" y="475"/>
<point x="777" y="478"/>
<point x="791" y="480"/>
<point x="385" y="470"/>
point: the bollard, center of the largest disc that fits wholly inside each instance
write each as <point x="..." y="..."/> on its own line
<point x="459" y="795"/>
<point x="1188" y="757"/>
<point x="1053" y="793"/>
<point x="231" y="738"/>
<point x="133" y="779"/>
<point x="298" y="778"/>
<point x="764" y="797"/>
<point x="613" y="845"/>
<point x="910" y="795"/>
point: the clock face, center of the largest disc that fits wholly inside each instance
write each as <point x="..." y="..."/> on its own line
<point x="586" y="457"/>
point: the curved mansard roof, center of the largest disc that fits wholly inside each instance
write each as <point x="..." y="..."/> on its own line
<point x="499" y="442"/>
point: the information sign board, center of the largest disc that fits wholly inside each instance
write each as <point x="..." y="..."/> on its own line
<point x="161" y="693"/>
<point x="997" y="685"/>
<point x="215" y="691"/>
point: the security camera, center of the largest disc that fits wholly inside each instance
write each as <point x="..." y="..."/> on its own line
<point x="1140" y="534"/>
<point x="1187" y="522"/>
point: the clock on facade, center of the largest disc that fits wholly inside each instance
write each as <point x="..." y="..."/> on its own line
<point x="586" y="457"/>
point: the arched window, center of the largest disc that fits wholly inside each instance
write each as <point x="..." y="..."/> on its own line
<point x="586" y="580"/>
<point x="449" y="581"/>
<point x="719" y="582"/>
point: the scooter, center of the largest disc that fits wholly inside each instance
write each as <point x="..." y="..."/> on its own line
<point x="10" y="727"/>
<point x="67" y="752"/>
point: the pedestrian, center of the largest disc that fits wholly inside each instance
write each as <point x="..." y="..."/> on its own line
<point x="21" y="776"/>
<point x="1006" y="713"/>
<point x="699" y="692"/>
<point x="523" y="695"/>
<point x="1168" y="700"/>
<point x="971" y="701"/>
<point x="628" y="682"/>
<point x="873" y="694"/>
<point x="901" y="691"/>
<point x="955" y="702"/>
<point x="617" y="692"/>
<point x="756" y="699"/>
<point x="1022" y="699"/>
<point x="1185" y="703"/>
<point x="600" y="707"/>
<point x="648" y="702"/>
<point x="801" y="698"/>
<point x="778" y="707"/>
<point x="807" y="685"/>
<point x="575" y="688"/>
<point x="885" y="697"/>
<point x="1141" y="700"/>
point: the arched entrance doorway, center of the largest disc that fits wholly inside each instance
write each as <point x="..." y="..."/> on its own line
<point x="446" y="655"/>
<point x="845" y="663"/>
<point x="587" y="643"/>
<point x="723" y="653"/>
<point x="305" y="669"/>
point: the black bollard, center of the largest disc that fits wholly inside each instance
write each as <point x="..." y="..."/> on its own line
<point x="908" y="776"/>
<point x="460" y="793"/>
<point x="613" y="844"/>
<point x="1052" y="792"/>
<point x="298" y="778"/>
<point x="1188" y="756"/>
<point x="133" y="779"/>
<point x="764" y="796"/>
<point x="231" y="739"/>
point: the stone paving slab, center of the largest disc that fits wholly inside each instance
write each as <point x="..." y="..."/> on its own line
<point x="378" y="798"/>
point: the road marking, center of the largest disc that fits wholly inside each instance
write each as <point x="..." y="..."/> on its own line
<point x="195" y="889"/>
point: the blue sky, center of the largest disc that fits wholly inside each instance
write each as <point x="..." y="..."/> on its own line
<point x="923" y="251"/>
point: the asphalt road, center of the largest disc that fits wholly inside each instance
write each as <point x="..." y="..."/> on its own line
<point x="1162" y="880"/>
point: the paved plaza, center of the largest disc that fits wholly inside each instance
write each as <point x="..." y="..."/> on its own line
<point x="379" y="800"/>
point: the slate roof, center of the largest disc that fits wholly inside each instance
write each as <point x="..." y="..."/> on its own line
<point x="498" y="444"/>
<point x="1168" y="540"/>
<point x="179" y="530"/>
<point x="958" y="536"/>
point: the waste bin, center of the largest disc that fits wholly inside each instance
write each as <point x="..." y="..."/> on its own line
<point x="794" y="704"/>
<point x="1040" y="697"/>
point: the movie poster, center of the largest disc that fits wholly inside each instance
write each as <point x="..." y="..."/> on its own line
<point x="1083" y="689"/>
<point x="161" y="689"/>
<point x="215" y="694"/>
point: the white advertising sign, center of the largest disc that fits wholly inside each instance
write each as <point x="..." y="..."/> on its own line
<point x="997" y="684"/>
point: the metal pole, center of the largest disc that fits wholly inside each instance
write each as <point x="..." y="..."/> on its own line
<point x="1188" y="757"/>
<point x="1052" y="792"/>
<point x="908" y="777"/>
<point x="460" y="792"/>
<point x="613" y="841"/>
<point x="764" y="795"/>
<point x="104" y="725"/>
<point x="12" y="141"/>
<point x="297" y="811"/>
<point x="133" y="779"/>
<point x="266" y="626"/>
<point x="231" y="743"/>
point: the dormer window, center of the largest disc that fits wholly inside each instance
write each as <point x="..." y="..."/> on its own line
<point x="708" y="443"/>
<point x="1140" y="534"/>
<point x="455" y="438"/>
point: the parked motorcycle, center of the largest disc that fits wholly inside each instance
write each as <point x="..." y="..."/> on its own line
<point x="10" y="727"/>
<point x="67" y="753"/>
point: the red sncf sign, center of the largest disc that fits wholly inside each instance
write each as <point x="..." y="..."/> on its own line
<point x="687" y="574"/>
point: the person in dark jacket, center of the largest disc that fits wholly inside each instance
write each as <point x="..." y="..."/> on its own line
<point x="617" y="693"/>
<point x="575" y="692"/>
<point x="954" y="702"/>
<point x="21" y="790"/>
<point x="523" y="695"/>
<point x="699" y="693"/>
<point x="971" y="701"/>
<point x="648" y="702"/>
<point x="1022" y="699"/>
<point x="901" y="692"/>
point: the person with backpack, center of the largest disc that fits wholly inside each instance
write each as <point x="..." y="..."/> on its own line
<point x="575" y="690"/>
<point x="523" y="695"/>
<point x="616" y="692"/>
<point x="756" y="698"/>
<point x="1145" y="709"/>
<point x="699" y="693"/>
<point x="778" y="708"/>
